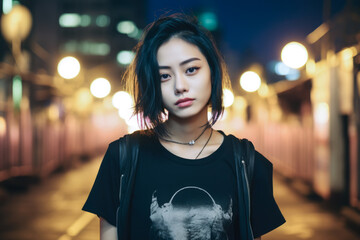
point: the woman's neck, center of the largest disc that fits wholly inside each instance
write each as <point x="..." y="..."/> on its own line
<point x="186" y="129"/>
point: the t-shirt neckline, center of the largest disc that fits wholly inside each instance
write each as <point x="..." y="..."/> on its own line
<point x="200" y="161"/>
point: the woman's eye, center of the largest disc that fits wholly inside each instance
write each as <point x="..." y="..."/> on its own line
<point x="164" y="76"/>
<point x="192" y="70"/>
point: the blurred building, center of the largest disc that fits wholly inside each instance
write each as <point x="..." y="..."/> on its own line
<point x="310" y="127"/>
<point x="93" y="31"/>
<point x="335" y="96"/>
<point x="45" y="120"/>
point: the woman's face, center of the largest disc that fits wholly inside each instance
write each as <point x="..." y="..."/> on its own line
<point x="185" y="78"/>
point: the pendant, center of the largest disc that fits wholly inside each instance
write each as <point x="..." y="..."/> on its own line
<point x="192" y="142"/>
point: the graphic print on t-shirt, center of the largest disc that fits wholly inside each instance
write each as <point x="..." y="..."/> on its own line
<point x="191" y="213"/>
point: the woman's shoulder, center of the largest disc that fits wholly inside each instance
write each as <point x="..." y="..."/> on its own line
<point x="139" y="135"/>
<point x="260" y="159"/>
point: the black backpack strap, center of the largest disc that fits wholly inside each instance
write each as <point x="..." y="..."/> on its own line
<point x="248" y="157"/>
<point x="128" y="153"/>
<point x="128" y="150"/>
<point x="244" y="155"/>
<point x="122" y="152"/>
<point x="245" y="150"/>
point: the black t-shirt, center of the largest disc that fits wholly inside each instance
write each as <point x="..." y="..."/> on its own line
<point x="177" y="198"/>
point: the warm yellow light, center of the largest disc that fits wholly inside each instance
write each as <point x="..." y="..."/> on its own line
<point x="209" y="114"/>
<point x="124" y="102"/>
<point x="349" y="53"/>
<point x="240" y="103"/>
<point x="83" y="99"/>
<point x="225" y="115"/>
<point x="68" y="67"/>
<point x="100" y="87"/>
<point x="53" y="112"/>
<point x="2" y="126"/>
<point x="322" y="113"/>
<point x="228" y="97"/>
<point x="222" y="117"/>
<point x="294" y="55"/>
<point x="250" y="81"/>
<point x="263" y="90"/>
<point x="16" y="24"/>
<point x="311" y="67"/>
<point x="121" y="99"/>
<point x="107" y="103"/>
<point x="133" y="124"/>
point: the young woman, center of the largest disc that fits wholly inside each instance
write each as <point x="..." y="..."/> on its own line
<point x="185" y="184"/>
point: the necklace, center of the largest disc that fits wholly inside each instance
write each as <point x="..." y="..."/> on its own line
<point x="205" y="144"/>
<point x="192" y="142"/>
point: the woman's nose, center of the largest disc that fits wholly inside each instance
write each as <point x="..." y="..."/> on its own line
<point x="181" y="85"/>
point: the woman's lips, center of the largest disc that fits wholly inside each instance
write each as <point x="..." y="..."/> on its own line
<point x="185" y="102"/>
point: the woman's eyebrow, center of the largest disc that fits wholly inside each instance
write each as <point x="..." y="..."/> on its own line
<point x="182" y="63"/>
<point x="189" y="60"/>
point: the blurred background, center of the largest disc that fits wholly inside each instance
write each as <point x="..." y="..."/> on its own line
<point x="295" y="73"/>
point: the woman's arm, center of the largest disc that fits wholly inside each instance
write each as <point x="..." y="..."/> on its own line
<point x="107" y="231"/>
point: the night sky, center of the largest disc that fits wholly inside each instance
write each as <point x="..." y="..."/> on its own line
<point x="258" y="28"/>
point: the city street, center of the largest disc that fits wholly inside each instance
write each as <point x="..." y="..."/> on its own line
<point x="76" y="75"/>
<point x="51" y="210"/>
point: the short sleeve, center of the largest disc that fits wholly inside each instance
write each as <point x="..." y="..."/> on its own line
<point x="103" y="198"/>
<point x="265" y="213"/>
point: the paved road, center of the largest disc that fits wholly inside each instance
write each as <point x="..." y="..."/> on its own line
<point x="50" y="210"/>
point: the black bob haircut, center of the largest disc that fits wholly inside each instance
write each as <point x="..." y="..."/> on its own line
<point x="143" y="77"/>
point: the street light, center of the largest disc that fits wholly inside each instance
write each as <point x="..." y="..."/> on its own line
<point x="15" y="27"/>
<point x="100" y="87"/>
<point x="250" y="81"/>
<point x="68" y="67"/>
<point x="294" y="55"/>
<point x="124" y="103"/>
<point x="228" y="97"/>
<point x="16" y="24"/>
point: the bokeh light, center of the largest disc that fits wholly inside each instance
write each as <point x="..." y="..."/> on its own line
<point x="16" y="24"/>
<point x="85" y="20"/>
<point x="124" y="102"/>
<point x="102" y="20"/>
<point x="68" y="67"/>
<point x="311" y="67"/>
<point x="281" y="69"/>
<point x="100" y="87"/>
<point x="126" y="27"/>
<point x="2" y="126"/>
<point x="53" y="112"/>
<point x="83" y="99"/>
<point x="321" y="113"/>
<point x="17" y="90"/>
<point x="7" y="6"/>
<point x="133" y="123"/>
<point x="125" y="57"/>
<point x="263" y="90"/>
<point x="293" y="75"/>
<point x="294" y="55"/>
<point x="228" y="97"/>
<point x="250" y="81"/>
<point x="69" y="20"/>
<point x="208" y="20"/>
